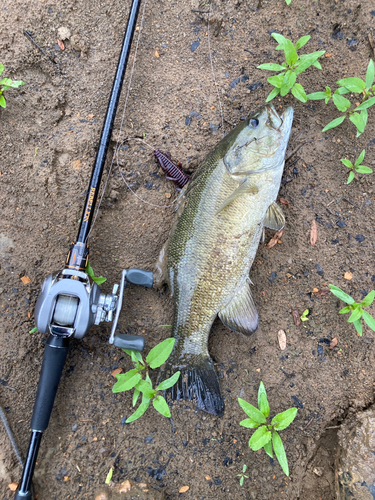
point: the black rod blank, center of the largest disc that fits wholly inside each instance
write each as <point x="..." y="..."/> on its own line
<point x="105" y="137"/>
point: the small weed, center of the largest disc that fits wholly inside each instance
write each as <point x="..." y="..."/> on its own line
<point x="295" y="64"/>
<point x="7" y="83"/>
<point x="357" y="167"/>
<point x="133" y="379"/>
<point x="34" y="330"/>
<point x="98" y="279"/>
<point x="267" y="436"/>
<point x="109" y="476"/>
<point x="242" y="476"/>
<point x="356" y="308"/>
<point x="304" y="315"/>
<point x="353" y="85"/>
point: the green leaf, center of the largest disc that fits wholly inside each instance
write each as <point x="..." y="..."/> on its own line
<point x="316" y="96"/>
<point x="356" y="314"/>
<point x="345" y="309"/>
<point x="352" y="84"/>
<point x="135" y="396"/>
<point x="341" y="103"/>
<point x="241" y="481"/>
<point x="299" y="92"/>
<point x="276" y="80"/>
<point x="302" y="41"/>
<point x="369" y="299"/>
<point x="244" y="467"/>
<point x="260" y="437"/>
<point x="280" y="452"/>
<point x="161" y="406"/>
<point x="160" y="353"/>
<point x="98" y="279"/>
<point x="250" y="410"/>
<point x="34" y="330"/>
<point x="334" y="123"/>
<point x="169" y="382"/>
<point x="139" y="411"/>
<point x="370" y="74"/>
<point x="249" y="423"/>
<point x="2" y="101"/>
<point x="284" y="419"/>
<point x="358" y="327"/>
<point x="290" y="52"/>
<point x="347" y="163"/>
<point x="135" y="355"/>
<point x="273" y="94"/>
<point x="288" y="2"/>
<point x="363" y="170"/>
<point x="360" y="158"/>
<point x="288" y="82"/>
<point x="366" y="104"/>
<point x="279" y="39"/>
<point x="146" y="389"/>
<point x="341" y="295"/>
<point x="268" y="449"/>
<point x="357" y="119"/>
<point x="271" y="67"/>
<point x="264" y="407"/>
<point x="317" y="64"/>
<point x="1" y="68"/>
<point x="369" y="320"/>
<point x="6" y="81"/>
<point x="351" y="177"/>
<point x="109" y="476"/>
<point x="126" y="381"/>
<point x="308" y="60"/>
<point x="342" y="91"/>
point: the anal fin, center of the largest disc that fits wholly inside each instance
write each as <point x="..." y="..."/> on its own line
<point x="241" y="315"/>
<point x="274" y="218"/>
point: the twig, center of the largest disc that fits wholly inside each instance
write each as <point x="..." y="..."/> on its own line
<point x="43" y="52"/>
<point x="346" y="199"/>
<point x="298" y="148"/>
<point x="294" y="162"/>
<point x="200" y="11"/>
<point x="372" y="43"/>
<point x="308" y="423"/>
<point x="249" y="51"/>
<point x="330" y="203"/>
<point x="10" y="435"/>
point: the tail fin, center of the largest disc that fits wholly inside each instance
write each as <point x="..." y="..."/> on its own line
<point x="198" y="382"/>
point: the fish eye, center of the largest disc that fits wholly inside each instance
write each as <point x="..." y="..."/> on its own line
<point x="254" y="122"/>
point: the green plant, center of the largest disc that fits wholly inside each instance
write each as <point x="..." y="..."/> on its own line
<point x="90" y="272"/>
<point x="304" y="315"/>
<point x="295" y="64"/>
<point x="108" y="479"/>
<point x="356" y="308"/>
<point x="242" y="476"/>
<point x="352" y="85"/>
<point x="6" y="84"/>
<point x="133" y="379"/>
<point x="266" y="436"/>
<point x="357" y="167"/>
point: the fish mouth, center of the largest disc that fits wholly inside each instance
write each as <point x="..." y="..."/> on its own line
<point x="280" y="123"/>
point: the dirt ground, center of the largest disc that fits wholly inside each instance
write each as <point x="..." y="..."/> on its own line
<point x="49" y="134"/>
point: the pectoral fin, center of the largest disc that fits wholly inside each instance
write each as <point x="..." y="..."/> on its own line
<point x="274" y="218"/>
<point x="245" y="188"/>
<point x="241" y="315"/>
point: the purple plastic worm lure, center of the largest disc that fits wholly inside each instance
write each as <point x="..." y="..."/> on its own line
<point x="173" y="172"/>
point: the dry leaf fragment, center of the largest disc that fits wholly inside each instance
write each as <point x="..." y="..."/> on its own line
<point x="282" y="339"/>
<point x="284" y="202"/>
<point x="318" y="471"/>
<point x="183" y="489"/>
<point x="315" y="290"/>
<point x="13" y="486"/>
<point x="156" y="54"/>
<point x="25" y="280"/>
<point x="313" y="233"/>
<point x="322" y="293"/>
<point x="60" y="43"/>
<point x="333" y="344"/>
<point x="125" y="487"/>
<point x="116" y="372"/>
<point x="296" y="317"/>
<point x="76" y="165"/>
<point x="275" y="239"/>
<point x="208" y="478"/>
<point x="348" y="275"/>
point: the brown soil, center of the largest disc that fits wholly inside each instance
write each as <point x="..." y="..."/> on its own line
<point x="49" y="135"/>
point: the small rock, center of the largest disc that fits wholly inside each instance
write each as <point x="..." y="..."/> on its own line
<point x="74" y="427"/>
<point x="63" y="33"/>
<point x="318" y="471"/>
<point x="341" y="223"/>
<point x="319" y="270"/>
<point x="272" y="278"/>
<point x="125" y="487"/>
<point x="195" y="45"/>
<point x="360" y="238"/>
<point x="104" y="452"/>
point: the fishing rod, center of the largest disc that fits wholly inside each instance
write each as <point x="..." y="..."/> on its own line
<point x="70" y="303"/>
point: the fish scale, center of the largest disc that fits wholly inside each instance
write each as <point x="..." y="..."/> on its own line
<point x="212" y="245"/>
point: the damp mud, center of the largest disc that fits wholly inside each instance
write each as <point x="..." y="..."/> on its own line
<point x="49" y="134"/>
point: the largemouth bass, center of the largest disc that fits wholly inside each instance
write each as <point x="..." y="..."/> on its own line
<point x="212" y="244"/>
